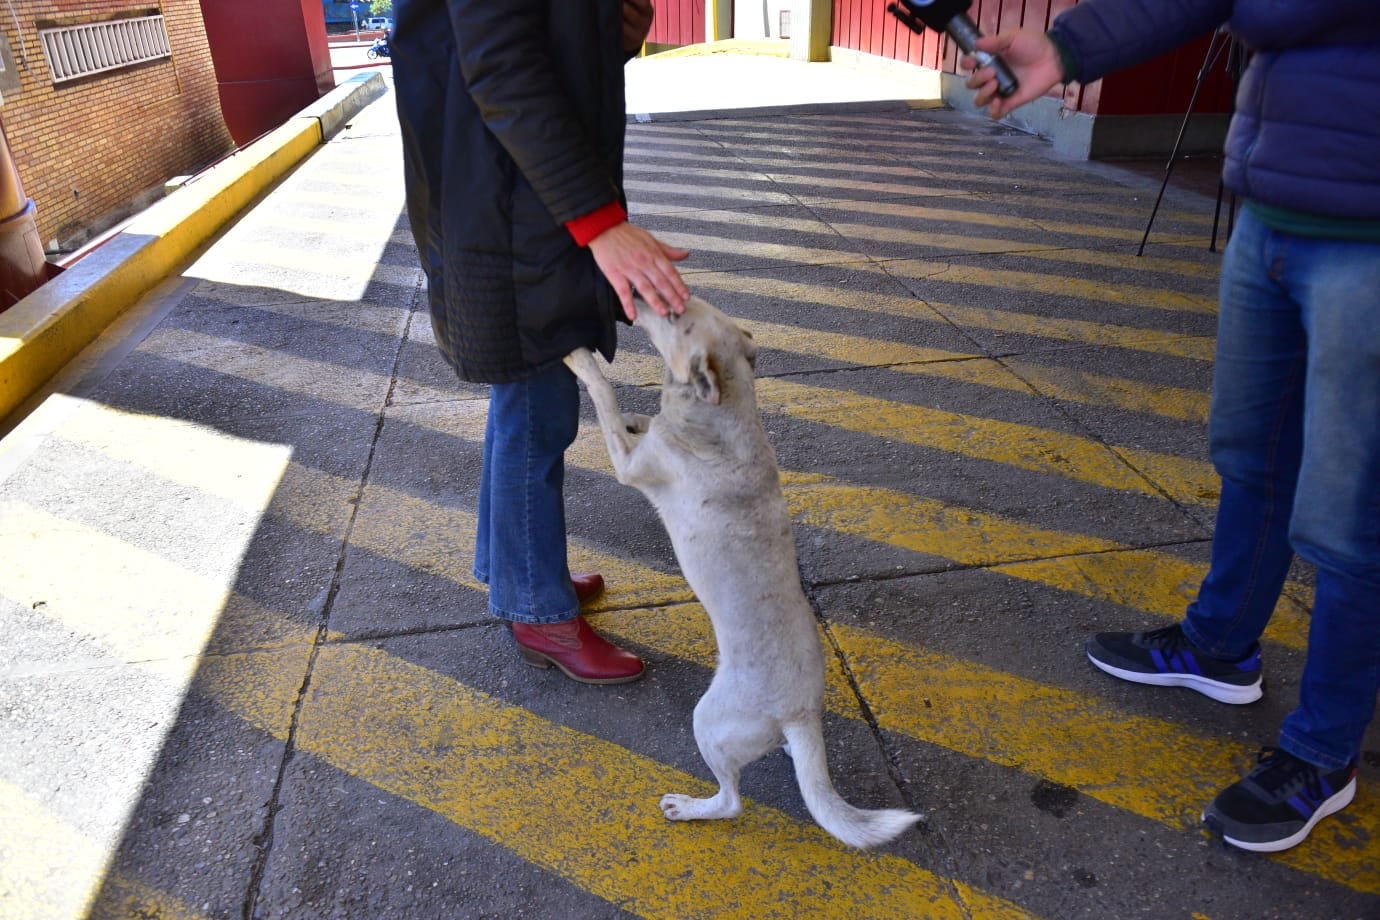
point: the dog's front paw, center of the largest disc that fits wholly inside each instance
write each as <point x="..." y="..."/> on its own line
<point x="581" y="362"/>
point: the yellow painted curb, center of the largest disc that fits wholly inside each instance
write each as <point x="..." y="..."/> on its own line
<point x="45" y="330"/>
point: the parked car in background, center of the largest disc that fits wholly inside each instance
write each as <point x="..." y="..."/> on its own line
<point x="377" y="23"/>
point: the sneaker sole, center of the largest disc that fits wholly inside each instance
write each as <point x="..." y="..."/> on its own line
<point x="1236" y="695"/>
<point x="1333" y="805"/>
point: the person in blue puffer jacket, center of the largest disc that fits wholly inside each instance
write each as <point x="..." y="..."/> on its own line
<point x="1295" y="423"/>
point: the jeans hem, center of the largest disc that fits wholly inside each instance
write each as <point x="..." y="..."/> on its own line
<point x="1317" y="758"/>
<point x="528" y="619"/>
<point x="1207" y="648"/>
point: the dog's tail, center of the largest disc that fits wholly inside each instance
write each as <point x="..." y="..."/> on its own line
<point x="856" y="827"/>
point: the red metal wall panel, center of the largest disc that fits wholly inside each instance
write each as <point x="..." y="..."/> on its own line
<point x="1161" y="86"/>
<point x="678" y="22"/>
<point x="1156" y="87"/>
<point x="272" y="69"/>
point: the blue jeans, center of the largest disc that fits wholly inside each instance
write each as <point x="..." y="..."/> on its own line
<point x="1295" y="436"/>
<point x="519" y="546"/>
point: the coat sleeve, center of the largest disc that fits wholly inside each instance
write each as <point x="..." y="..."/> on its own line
<point x="507" y="64"/>
<point x="1108" y="35"/>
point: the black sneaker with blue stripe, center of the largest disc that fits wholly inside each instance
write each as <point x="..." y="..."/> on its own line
<point x="1166" y="658"/>
<point x="1278" y="804"/>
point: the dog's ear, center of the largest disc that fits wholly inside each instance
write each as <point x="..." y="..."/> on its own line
<point x="749" y="348"/>
<point x="704" y="377"/>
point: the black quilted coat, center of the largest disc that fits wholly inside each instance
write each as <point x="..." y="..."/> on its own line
<point x="512" y="116"/>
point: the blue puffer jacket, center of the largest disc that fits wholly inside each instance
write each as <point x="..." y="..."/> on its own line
<point x="1306" y="133"/>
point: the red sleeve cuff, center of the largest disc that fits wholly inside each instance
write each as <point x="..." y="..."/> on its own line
<point x="586" y="227"/>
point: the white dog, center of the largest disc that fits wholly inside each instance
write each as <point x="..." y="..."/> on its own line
<point x="705" y="464"/>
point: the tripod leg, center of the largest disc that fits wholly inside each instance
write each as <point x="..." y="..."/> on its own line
<point x="1214" y="49"/>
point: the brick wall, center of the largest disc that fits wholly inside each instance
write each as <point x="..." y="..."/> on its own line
<point x="90" y="150"/>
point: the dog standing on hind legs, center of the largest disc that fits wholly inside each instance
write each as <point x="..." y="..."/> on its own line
<point x="706" y="466"/>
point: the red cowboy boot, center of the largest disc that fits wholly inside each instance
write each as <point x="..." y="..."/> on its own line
<point x="587" y="586"/>
<point x="580" y="652"/>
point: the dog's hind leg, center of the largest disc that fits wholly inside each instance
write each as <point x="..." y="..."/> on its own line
<point x="729" y="739"/>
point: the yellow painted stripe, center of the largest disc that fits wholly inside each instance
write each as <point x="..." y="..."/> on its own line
<point x="1022" y="446"/>
<point x="1156" y="583"/>
<point x="1151" y="768"/>
<point x="439" y="540"/>
<point x="1128" y="262"/>
<point x="914" y="149"/>
<point x="376" y="179"/>
<point x="384" y="318"/>
<point x="364" y="230"/>
<point x="725" y="192"/>
<point x="391" y="522"/>
<point x="924" y="525"/>
<point x="1034" y="245"/>
<point x="1120" y="392"/>
<point x="1194" y="347"/>
<point x="652" y="160"/>
<point x="387" y="201"/>
<point x="525" y="783"/>
<point x="1036" y="225"/>
<point x="943" y="159"/>
<point x="1199" y="348"/>
<point x="1063" y="204"/>
<point x="313" y="261"/>
<point x="760" y="250"/>
<point x="929" y="527"/>
<point x="497" y="769"/>
<point x="51" y="871"/>
<point x="1147" y="580"/>
<point x="912" y="190"/>
<point x="736" y="134"/>
<point x="1035" y="240"/>
<point x="1016" y="376"/>
<point x="982" y="276"/>
<point x="684" y="171"/>
<point x="1145" y="766"/>
<point x="986" y="276"/>
<point x="834" y="228"/>
<point x="386" y="532"/>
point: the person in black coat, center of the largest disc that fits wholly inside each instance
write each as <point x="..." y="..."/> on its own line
<point x="512" y="117"/>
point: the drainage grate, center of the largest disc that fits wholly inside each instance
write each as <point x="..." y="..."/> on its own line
<point x="80" y="51"/>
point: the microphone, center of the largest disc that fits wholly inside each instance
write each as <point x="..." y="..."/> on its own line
<point x="951" y="17"/>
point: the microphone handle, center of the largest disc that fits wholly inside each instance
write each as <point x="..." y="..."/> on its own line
<point x="963" y="31"/>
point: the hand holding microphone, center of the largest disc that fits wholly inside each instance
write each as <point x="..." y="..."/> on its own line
<point x="951" y="18"/>
<point x="1028" y="53"/>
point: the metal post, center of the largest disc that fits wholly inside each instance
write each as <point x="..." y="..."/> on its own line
<point x="23" y="267"/>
